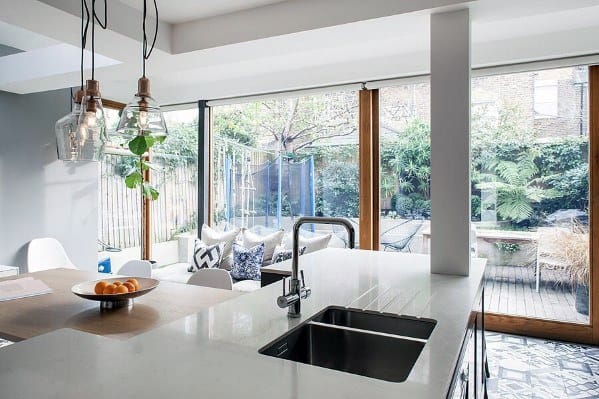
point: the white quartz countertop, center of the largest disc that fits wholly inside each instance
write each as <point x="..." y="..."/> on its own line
<point x="214" y="353"/>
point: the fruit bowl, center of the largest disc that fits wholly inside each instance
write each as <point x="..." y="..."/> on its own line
<point x="109" y="301"/>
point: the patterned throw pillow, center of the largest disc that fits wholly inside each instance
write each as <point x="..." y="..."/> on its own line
<point x="281" y="254"/>
<point x="247" y="262"/>
<point x="206" y="256"/>
<point x="211" y="236"/>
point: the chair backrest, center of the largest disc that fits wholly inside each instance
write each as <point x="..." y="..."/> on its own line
<point x="214" y="278"/>
<point x="136" y="268"/>
<point x="47" y="253"/>
<point x="406" y="233"/>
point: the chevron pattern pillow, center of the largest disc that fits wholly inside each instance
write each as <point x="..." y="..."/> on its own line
<point x="206" y="256"/>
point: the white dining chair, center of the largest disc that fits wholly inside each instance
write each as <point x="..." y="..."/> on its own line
<point x="136" y="268"/>
<point x="214" y="278"/>
<point x="47" y="253"/>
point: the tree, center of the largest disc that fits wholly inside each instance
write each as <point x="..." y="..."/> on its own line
<point x="236" y="125"/>
<point x="407" y="156"/>
<point x="294" y="124"/>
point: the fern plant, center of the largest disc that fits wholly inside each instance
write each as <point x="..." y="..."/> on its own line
<point x="516" y="185"/>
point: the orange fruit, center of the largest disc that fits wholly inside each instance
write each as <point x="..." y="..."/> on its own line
<point x="99" y="288"/>
<point x="117" y="283"/>
<point x="134" y="282"/>
<point x="109" y="289"/>
<point x="121" y="289"/>
<point x="129" y="286"/>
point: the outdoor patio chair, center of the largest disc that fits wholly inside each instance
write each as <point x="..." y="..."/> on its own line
<point x="47" y="253"/>
<point x="136" y="268"/>
<point x="407" y="230"/>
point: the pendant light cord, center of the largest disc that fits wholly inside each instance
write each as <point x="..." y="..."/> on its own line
<point x="145" y="52"/>
<point x="84" y="27"/>
<point x="94" y="19"/>
<point x="93" y="38"/>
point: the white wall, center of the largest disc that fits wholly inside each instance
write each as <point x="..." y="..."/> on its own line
<point x="40" y="195"/>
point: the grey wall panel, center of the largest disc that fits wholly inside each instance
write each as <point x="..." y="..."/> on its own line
<point x="40" y="195"/>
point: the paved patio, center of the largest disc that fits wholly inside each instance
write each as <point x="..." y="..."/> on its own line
<point x="511" y="290"/>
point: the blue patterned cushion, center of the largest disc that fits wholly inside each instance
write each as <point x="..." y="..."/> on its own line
<point x="247" y="262"/>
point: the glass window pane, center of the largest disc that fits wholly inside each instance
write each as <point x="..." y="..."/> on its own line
<point x="530" y="192"/>
<point x="277" y="159"/>
<point x="174" y="213"/>
<point x="405" y="167"/>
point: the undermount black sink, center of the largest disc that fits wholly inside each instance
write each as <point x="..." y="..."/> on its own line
<point x="376" y="321"/>
<point x="370" y="344"/>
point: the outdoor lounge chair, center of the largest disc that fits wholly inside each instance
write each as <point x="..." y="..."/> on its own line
<point x="403" y="238"/>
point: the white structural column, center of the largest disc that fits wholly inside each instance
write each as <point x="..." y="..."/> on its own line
<point x="450" y="142"/>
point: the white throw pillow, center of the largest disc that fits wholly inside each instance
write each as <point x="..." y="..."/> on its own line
<point x="212" y="237"/>
<point x="315" y="243"/>
<point x="270" y="241"/>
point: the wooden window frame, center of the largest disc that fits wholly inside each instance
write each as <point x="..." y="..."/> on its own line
<point x="368" y="149"/>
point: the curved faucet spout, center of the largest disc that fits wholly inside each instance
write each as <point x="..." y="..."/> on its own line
<point x="297" y="287"/>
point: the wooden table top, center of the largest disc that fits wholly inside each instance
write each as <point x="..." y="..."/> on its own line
<point x="28" y="317"/>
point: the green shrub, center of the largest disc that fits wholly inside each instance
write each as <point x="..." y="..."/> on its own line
<point x="337" y="191"/>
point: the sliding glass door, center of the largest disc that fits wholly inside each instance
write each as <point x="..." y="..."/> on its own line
<point x="530" y="192"/>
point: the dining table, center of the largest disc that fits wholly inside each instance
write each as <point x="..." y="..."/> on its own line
<point x="25" y="318"/>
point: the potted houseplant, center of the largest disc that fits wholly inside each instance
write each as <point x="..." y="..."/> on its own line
<point x="572" y="248"/>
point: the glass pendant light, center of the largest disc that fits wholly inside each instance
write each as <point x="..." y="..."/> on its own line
<point x="72" y="141"/>
<point x="142" y="116"/>
<point x="79" y="141"/>
<point x="67" y="132"/>
<point x="92" y="123"/>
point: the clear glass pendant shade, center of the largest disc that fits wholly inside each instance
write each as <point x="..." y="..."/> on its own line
<point x="142" y="116"/>
<point x="76" y="141"/>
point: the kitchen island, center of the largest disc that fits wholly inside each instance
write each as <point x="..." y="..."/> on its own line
<point x="214" y="353"/>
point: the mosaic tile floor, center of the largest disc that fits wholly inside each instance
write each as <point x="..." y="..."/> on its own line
<point x="524" y="367"/>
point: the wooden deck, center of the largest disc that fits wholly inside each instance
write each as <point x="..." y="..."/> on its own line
<point x="511" y="290"/>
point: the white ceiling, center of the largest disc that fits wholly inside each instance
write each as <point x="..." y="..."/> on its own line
<point x="228" y="52"/>
<point x="177" y="11"/>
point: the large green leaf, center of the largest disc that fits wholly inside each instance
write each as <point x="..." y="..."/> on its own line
<point x="140" y="144"/>
<point x="150" y="192"/>
<point x="133" y="179"/>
